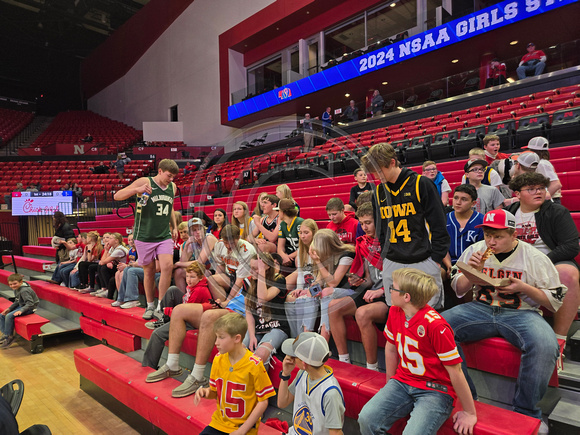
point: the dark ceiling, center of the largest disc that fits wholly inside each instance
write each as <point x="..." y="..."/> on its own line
<point x="42" y="43"/>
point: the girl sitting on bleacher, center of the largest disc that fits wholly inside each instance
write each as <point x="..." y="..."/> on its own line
<point x="220" y="220"/>
<point x="241" y="219"/>
<point x="79" y="276"/>
<point x="267" y="324"/>
<point x="284" y="192"/>
<point x="107" y="268"/>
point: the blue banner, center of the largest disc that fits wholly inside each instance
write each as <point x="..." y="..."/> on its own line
<point x="458" y="30"/>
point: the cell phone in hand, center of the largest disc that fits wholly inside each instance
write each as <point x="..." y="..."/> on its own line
<point x="352" y="275"/>
<point x="214" y="302"/>
<point x="315" y="290"/>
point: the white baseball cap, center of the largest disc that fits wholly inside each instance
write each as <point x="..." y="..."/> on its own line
<point x="529" y="159"/>
<point x="310" y="347"/>
<point x="538" y="143"/>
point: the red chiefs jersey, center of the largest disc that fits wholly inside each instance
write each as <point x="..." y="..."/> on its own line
<point x="425" y="344"/>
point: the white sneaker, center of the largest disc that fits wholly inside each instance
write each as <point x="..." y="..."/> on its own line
<point x="131" y="304"/>
<point x="543" y="430"/>
<point x="116" y="304"/>
<point x="102" y="293"/>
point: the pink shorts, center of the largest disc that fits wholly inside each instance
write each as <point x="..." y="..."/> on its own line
<point x="148" y="251"/>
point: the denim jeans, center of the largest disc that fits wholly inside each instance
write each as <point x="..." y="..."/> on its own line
<point x="275" y="338"/>
<point x="129" y="288"/>
<point x="537" y="69"/>
<point x="526" y="330"/>
<point x="7" y="321"/>
<point x="65" y="273"/>
<point x="57" y="274"/>
<point x="302" y="314"/>
<point x="74" y="279"/>
<point x="428" y="408"/>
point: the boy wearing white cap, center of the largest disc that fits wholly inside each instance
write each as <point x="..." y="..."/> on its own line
<point x="510" y="311"/>
<point x="540" y="146"/>
<point x="318" y="401"/>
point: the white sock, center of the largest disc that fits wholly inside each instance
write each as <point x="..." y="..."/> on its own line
<point x="150" y="305"/>
<point x="561" y="337"/>
<point x="374" y="366"/>
<point x="173" y="361"/>
<point x="345" y="357"/>
<point x="158" y="305"/>
<point x="198" y="371"/>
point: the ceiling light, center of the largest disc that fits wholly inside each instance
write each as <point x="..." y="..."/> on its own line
<point x="385" y="83"/>
<point x="455" y="61"/>
<point x="347" y="95"/>
<point x="513" y="42"/>
<point x="308" y="107"/>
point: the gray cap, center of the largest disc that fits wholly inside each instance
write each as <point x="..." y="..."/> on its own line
<point x="309" y="347"/>
<point x="538" y="143"/>
<point x="194" y="221"/>
<point x="529" y="159"/>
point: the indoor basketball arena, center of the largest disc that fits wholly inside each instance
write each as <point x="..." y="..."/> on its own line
<point x="290" y="217"/>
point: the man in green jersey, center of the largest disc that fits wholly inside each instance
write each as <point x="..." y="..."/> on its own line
<point x="152" y="233"/>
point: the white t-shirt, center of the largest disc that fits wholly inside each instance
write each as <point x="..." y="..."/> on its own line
<point x="236" y="262"/>
<point x="547" y="170"/>
<point x="445" y="187"/>
<point x="528" y="232"/>
<point x="305" y="277"/>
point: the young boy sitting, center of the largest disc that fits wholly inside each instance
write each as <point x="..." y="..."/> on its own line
<point x="342" y="223"/>
<point x="65" y="266"/>
<point x="315" y="392"/>
<point x="244" y="386"/>
<point x="424" y="375"/>
<point x="25" y="302"/>
<point x="362" y="185"/>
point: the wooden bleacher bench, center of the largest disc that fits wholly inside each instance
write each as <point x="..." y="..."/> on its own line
<point x="27" y="263"/>
<point x="28" y="327"/>
<point x="359" y="385"/>
<point x="124" y="378"/>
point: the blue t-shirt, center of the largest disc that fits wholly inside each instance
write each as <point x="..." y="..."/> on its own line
<point x="461" y="239"/>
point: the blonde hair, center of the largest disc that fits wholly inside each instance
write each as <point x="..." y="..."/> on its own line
<point x="119" y="238"/>
<point x="420" y="286"/>
<point x="246" y="220"/>
<point x="476" y="152"/>
<point x="98" y="248"/>
<point x="286" y="192"/>
<point x="232" y="324"/>
<point x="329" y="248"/>
<point x="302" y="248"/>
<point x="379" y="156"/>
<point x="258" y="209"/>
<point x="428" y="163"/>
<point x="182" y="226"/>
<point x="197" y="268"/>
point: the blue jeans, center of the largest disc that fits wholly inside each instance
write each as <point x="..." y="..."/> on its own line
<point x="129" y="288"/>
<point x="526" y="330"/>
<point x="74" y="279"/>
<point x="536" y="69"/>
<point x="275" y="337"/>
<point x="7" y="321"/>
<point x="63" y="273"/>
<point x="428" y="408"/>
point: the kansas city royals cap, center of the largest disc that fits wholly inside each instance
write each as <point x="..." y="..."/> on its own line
<point x="194" y="221"/>
<point x="538" y="143"/>
<point x="310" y="347"/>
<point x="499" y="219"/>
<point x="529" y="159"/>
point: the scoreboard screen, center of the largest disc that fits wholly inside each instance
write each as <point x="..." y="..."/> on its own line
<point x="41" y="203"/>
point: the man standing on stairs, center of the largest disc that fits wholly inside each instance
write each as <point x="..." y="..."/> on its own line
<point x="153" y="236"/>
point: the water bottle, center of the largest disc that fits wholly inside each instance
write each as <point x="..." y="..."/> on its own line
<point x="143" y="200"/>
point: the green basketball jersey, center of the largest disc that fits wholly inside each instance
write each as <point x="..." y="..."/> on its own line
<point x="152" y="219"/>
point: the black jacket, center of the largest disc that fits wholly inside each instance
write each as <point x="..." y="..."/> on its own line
<point x="557" y="229"/>
<point x="414" y="246"/>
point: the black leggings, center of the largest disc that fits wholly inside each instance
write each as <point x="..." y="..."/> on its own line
<point x="105" y="275"/>
<point x="87" y="270"/>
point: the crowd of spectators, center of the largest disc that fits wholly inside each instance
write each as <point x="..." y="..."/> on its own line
<point x="288" y="277"/>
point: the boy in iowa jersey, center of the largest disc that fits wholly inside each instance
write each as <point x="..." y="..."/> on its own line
<point x="238" y="381"/>
<point x="153" y="238"/>
<point x="424" y="374"/>
<point x="318" y="401"/>
<point x="511" y="312"/>
<point x="409" y="218"/>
